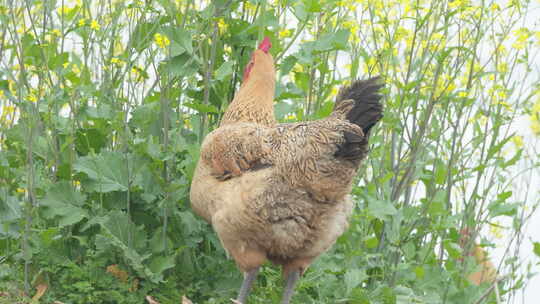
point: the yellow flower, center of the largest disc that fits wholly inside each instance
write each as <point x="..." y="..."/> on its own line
<point x="437" y="36"/>
<point x="161" y="40"/>
<point x="8" y="109"/>
<point x="65" y="64"/>
<point x="535" y="124"/>
<point x="63" y="10"/>
<point x="137" y="73"/>
<point x="76" y="183"/>
<point x="1" y="93"/>
<point x="401" y="33"/>
<point x="353" y="26"/>
<point x="21" y="190"/>
<point x="12" y="86"/>
<point x="454" y="4"/>
<point x="222" y="26"/>
<point x="501" y="50"/>
<point x="32" y="97"/>
<point x="536" y="107"/>
<point x="522" y="35"/>
<point x="115" y="60"/>
<point x="250" y="7"/>
<point x="95" y="25"/>
<point x="477" y="68"/>
<point x="502" y="67"/>
<point x="463" y="94"/>
<point x="82" y="22"/>
<point x="334" y="92"/>
<point x="75" y="69"/>
<point x="491" y="76"/>
<point x="298" y="68"/>
<point x="57" y="32"/>
<point x="495" y="230"/>
<point x="518" y="141"/>
<point x="284" y="33"/>
<point x="290" y="117"/>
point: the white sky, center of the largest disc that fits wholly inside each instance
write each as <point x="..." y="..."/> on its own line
<point x="531" y="294"/>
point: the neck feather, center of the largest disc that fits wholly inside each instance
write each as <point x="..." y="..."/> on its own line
<point x="253" y="103"/>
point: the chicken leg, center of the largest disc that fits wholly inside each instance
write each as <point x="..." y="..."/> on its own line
<point x="249" y="278"/>
<point x="292" y="278"/>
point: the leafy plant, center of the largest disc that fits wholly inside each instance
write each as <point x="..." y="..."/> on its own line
<point x="104" y="104"/>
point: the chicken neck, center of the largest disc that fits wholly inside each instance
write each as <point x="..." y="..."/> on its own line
<point x="253" y="102"/>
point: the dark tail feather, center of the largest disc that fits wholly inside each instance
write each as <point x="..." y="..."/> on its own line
<point x="366" y="112"/>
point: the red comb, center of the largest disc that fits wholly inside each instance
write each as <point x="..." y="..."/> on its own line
<point x="265" y="45"/>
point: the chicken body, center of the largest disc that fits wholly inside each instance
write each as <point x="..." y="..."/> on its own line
<point x="291" y="206"/>
<point x="280" y="192"/>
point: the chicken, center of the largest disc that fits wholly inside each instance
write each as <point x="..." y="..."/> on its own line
<point x="487" y="272"/>
<point x="280" y="192"/>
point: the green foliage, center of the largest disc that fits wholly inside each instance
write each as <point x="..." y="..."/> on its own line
<point x="104" y="105"/>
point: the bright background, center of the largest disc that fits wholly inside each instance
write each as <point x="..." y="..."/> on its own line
<point x="104" y="105"/>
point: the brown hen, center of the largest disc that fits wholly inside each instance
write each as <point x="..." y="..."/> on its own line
<point x="280" y="192"/>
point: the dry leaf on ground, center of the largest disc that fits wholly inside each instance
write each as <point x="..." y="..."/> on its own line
<point x="151" y="300"/>
<point x="117" y="272"/>
<point x="40" y="291"/>
<point x="185" y="300"/>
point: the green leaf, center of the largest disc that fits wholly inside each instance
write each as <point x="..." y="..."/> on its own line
<point x="371" y="243"/>
<point x="287" y="64"/>
<point x="300" y="11"/>
<point x="120" y="226"/>
<point x="381" y="209"/>
<point x="224" y="70"/>
<point x="453" y="249"/>
<point x="536" y="249"/>
<point x="10" y="214"/>
<point x="201" y="108"/>
<point x="183" y="65"/>
<point x="143" y="34"/>
<point x="332" y="41"/>
<point x="10" y="207"/>
<point x="181" y="40"/>
<point x="496" y="148"/>
<point x="64" y="202"/>
<point x="107" y="171"/>
<point x="440" y="172"/>
<point x="191" y="224"/>
<point x="419" y="272"/>
<point x="282" y="109"/>
<point x="504" y="196"/>
<point x="120" y="232"/>
<point x="354" y="277"/>
<point x="161" y="263"/>
<point x="312" y="6"/>
<point x="500" y="207"/>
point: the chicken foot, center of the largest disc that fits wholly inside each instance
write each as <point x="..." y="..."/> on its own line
<point x="292" y="278"/>
<point x="249" y="278"/>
